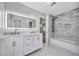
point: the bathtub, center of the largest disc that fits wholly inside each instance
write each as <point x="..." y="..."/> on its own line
<point x="69" y="45"/>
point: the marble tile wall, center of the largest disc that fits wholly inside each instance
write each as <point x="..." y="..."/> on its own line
<point x="67" y="26"/>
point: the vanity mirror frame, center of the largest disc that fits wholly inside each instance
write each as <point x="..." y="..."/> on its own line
<point x="22" y="15"/>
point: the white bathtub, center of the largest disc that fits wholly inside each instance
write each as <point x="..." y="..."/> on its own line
<point x="68" y="46"/>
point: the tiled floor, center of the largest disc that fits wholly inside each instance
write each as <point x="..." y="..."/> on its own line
<point x="53" y="50"/>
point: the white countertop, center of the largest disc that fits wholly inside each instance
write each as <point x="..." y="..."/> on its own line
<point x="26" y="34"/>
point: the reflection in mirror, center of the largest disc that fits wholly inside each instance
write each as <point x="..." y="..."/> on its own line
<point x="30" y="24"/>
<point x="16" y="21"/>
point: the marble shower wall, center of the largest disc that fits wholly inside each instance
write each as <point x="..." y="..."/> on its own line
<point x="67" y="26"/>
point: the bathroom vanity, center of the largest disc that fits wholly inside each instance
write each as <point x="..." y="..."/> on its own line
<point x="20" y="45"/>
<point x="14" y="42"/>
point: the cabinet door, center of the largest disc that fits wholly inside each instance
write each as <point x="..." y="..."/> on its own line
<point x="6" y="47"/>
<point x="18" y="46"/>
<point x="27" y="45"/>
<point x="40" y="42"/>
<point x="35" y="42"/>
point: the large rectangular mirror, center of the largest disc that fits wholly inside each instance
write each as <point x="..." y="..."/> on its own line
<point x="15" y="20"/>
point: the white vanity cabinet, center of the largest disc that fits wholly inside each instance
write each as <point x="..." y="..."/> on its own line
<point x="32" y="43"/>
<point x="20" y="45"/>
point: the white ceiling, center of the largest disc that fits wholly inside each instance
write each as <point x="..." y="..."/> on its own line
<point x="58" y="8"/>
